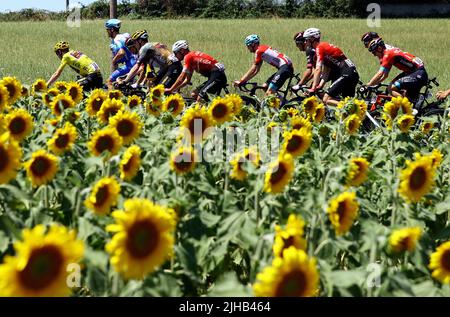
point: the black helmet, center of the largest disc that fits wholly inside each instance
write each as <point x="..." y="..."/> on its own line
<point x="298" y="37"/>
<point x="369" y="36"/>
<point x="374" y="44"/>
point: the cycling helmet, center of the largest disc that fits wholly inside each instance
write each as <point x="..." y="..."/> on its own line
<point x="251" y="39"/>
<point x="178" y="45"/>
<point x="129" y="42"/>
<point x="369" y="36"/>
<point x="61" y="46"/>
<point x="298" y="37"/>
<point x="374" y="44"/>
<point x="142" y="34"/>
<point x="113" y="24"/>
<point x="312" y="33"/>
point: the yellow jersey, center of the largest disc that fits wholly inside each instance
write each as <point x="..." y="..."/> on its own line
<point x="80" y="63"/>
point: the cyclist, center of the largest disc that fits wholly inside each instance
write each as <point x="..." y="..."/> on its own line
<point x="151" y="56"/>
<point x="331" y="57"/>
<point x="83" y="65"/>
<point x="112" y="27"/>
<point x="441" y="95"/>
<point x="127" y="56"/>
<point x="369" y="36"/>
<point x="413" y="76"/>
<point x="203" y="64"/>
<point x="272" y="57"/>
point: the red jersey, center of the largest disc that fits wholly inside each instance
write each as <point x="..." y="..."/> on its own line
<point x="404" y="61"/>
<point x="329" y="55"/>
<point x="271" y="56"/>
<point x="199" y="62"/>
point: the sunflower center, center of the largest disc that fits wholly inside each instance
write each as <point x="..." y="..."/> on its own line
<point x="17" y="126"/>
<point x="97" y="104"/>
<point x="73" y="92"/>
<point x="197" y="124"/>
<point x="417" y="178"/>
<point x="125" y="127"/>
<point x="4" y="158"/>
<point x="351" y="125"/>
<point x="142" y="239"/>
<point x="43" y="267"/>
<point x="219" y="111"/>
<point x="40" y="166"/>
<point x="133" y="103"/>
<point x="173" y="105"/>
<point x="62" y="141"/>
<point x="11" y="89"/>
<point x="109" y="112"/>
<point x="127" y="167"/>
<point x="341" y="210"/>
<point x="445" y="260"/>
<point x="104" y="143"/>
<point x="294" y="143"/>
<point x="101" y="196"/>
<point x="184" y="161"/>
<point x="293" y="284"/>
<point x="278" y="174"/>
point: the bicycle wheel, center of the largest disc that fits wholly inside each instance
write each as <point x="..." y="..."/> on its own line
<point x="252" y="102"/>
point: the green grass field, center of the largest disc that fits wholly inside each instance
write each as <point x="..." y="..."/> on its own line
<point x="27" y="48"/>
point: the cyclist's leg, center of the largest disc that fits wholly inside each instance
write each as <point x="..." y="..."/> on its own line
<point x="216" y="82"/>
<point x="344" y="86"/>
<point x="412" y="83"/>
<point x="172" y="73"/>
<point x="279" y="78"/>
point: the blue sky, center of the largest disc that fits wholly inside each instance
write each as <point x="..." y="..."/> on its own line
<point x="53" y="5"/>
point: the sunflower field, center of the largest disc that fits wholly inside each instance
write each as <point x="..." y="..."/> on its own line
<point x="107" y="195"/>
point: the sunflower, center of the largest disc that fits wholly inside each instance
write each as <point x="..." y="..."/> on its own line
<point x="72" y="116"/>
<point x="352" y="124"/>
<point x="274" y="102"/>
<point x="103" y="196"/>
<point x="95" y="102"/>
<point x="4" y="98"/>
<point x="41" y="264"/>
<point x="61" y="103"/>
<point x="247" y="155"/>
<point x="183" y="160"/>
<point x="50" y="95"/>
<point x="357" y="171"/>
<point x="297" y="142"/>
<point x="405" y="239"/>
<point x="279" y="173"/>
<point x="134" y="101"/>
<point x="319" y="113"/>
<point x="115" y="94"/>
<point x="75" y="91"/>
<point x="127" y="124"/>
<point x="436" y="158"/>
<point x="130" y="163"/>
<point x="292" y="235"/>
<point x="293" y="112"/>
<point x="61" y="86"/>
<point x="416" y="180"/>
<point x="293" y="275"/>
<point x="440" y="263"/>
<point x="343" y="211"/>
<point x="195" y="121"/>
<point x="14" y="88"/>
<point x="24" y="92"/>
<point x="144" y="238"/>
<point x="236" y="102"/>
<point x="10" y="155"/>
<point x="350" y="106"/>
<point x="174" y="104"/>
<point x="426" y="127"/>
<point x="405" y="122"/>
<point x="63" y="139"/>
<point x="19" y="123"/>
<point x="153" y="108"/>
<point x="39" y="86"/>
<point x="298" y="122"/>
<point x="309" y="105"/>
<point x="157" y="93"/>
<point x="392" y="108"/>
<point x="220" y="110"/>
<point x="110" y="108"/>
<point x="107" y="139"/>
<point x="41" y="168"/>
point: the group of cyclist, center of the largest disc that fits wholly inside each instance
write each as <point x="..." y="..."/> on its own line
<point x="153" y="63"/>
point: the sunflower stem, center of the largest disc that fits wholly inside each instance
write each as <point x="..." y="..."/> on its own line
<point x="88" y="128"/>
<point x="115" y="284"/>
<point x="257" y="209"/>
<point x="45" y="198"/>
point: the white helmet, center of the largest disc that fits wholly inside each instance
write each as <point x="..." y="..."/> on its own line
<point x="312" y="33"/>
<point x="178" y="45"/>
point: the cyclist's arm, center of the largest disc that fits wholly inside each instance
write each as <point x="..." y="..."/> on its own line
<point x="307" y="75"/>
<point x="183" y="80"/>
<point x="56" y="75"/>
<point x="120" y="54"/>
<point x="251" y="73"/>
<point x="317" y="73"/>
<point x="381" y="75"/>
<point x="136" y="68"/>
<point x="442" y="94"/>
